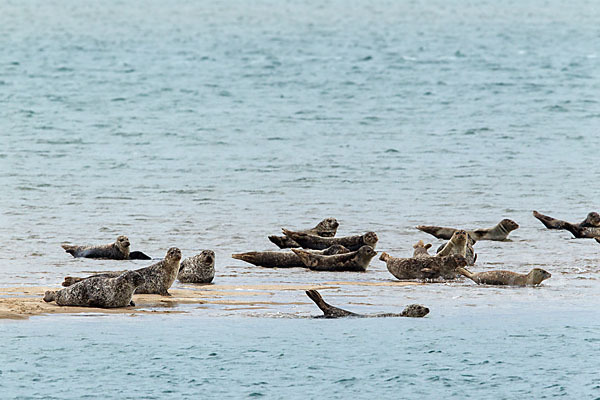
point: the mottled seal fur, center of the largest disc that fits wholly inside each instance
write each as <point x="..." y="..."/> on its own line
<point x="421" y="249"/>
<point x="288" y="259"/>
<point x="99" y="291"/>
<point x="329" y="311"/>
<point x="424" y="268"/>
<point x="460" y="243"/>
<point x="198" y="269"/>
<point x="586" y="229"/>
<point x="119" y="250"/>
<point x="534" y="277"/>
<point x="158" y="277"/>
<point x="354" y="261"/>
<point x="314" y="242"/>
<point x="325" y="228"/>
<point x="499" y="232"/>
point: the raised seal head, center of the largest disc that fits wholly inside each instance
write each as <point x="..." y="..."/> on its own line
<point x="509" y="224"/>
<point x="415" y="311"/>
<point x="370" y="238"/>
<point x="537" y="275"/>
<point x="173" y="254"/>
<point x="123" y="244"/>
<point x="328" y="224"/>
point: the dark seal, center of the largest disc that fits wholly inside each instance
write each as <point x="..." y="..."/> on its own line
<point x="424" y="268"/>
<point x="119" y="250"/>
<point x="533" y="278"/>
<point x="326" y="228"/>
<point x="314" y="242"/>
<point x="329" y="311"/>
<point x="288" y="259"/>
<point x="158" y="277"/>
<point x="198" y="269"/>
<point x="357" y="261"/>
<point x="587" y="229"/>
<point x="99" y="291"/>
<point x="499" y="232"/>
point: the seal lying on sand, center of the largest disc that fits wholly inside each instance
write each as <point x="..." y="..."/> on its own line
<point x="276" y="259"/>
<point x="424" y="267"/>
<point x="158" y="277"/>
<point x="534" y="277"/>
<point x="588" y="228"/>
<point x="326" y="228"/>
<point x="119" y="250"/>
<point x="98" y="292"/>
<point x="352" y="243"/>
<point x="499" y="232"/>
<point x="329" y="311"/>
<point x="421" y="249"/>
<point x="460" y="243"/>
<point x="354" y="261"/>
<point x="198" y="269"/>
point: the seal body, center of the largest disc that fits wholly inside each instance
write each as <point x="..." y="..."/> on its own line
<point x="460" y="243"/>
<point x="325" y="228"/>
<point x="276" y="259"/>
<point x="586" y="229"/>
<point x="499" y="277"/>
<point x="424" y="268"/>
<point x="119" y="250"/>
<point x="158" y="277"/>
<point x="314" y="242"/>
<point x="329" y="311"/>
<point x="421" y="249"/>
<point x="198" y="269"/>
<point x="499" y="232"/>
<point x="357" y="261"/>
<point x="99" y="291"/>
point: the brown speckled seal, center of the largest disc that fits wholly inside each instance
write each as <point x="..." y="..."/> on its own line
<point x="357" y="261"/>
<point x="313" y="242"/>
<point x="499" y="232"/>
<point x="99" y="291"/>
<point x="534" y="277"/>
<point x="288" y="259"/>
<point x="198" y="269"/>
<point x="329" y="311"/>
<point x="326" y="228"/>
<point x="424" y="268"/>
<point x="421" y="249"/>
<point x="119" y="250"/>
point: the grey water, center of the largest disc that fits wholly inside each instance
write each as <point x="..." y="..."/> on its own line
<point x="212" y="125"/>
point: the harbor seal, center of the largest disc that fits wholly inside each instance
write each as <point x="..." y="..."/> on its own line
<point x="586" y="229"/>
<point x="158" y="277"/>
<point x="198" y="269"/>
<point x="534" y="277"/>
<point x="314" y="242"/>
<point x="288" y="259"/>
<point x="499" y="232"/>
<point x="354" y="261"/>
<point x="460" y="243"/>
<point x="421" y="249"/>
<point x="329" y="311"/>
<point x="424" y="268"/>
<point x="99" y="291"/>
<point x="326" y="228"/>
<point x="119" y="250"/>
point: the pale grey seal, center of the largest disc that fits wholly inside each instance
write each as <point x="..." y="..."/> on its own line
<point x="534" y="277"/>
<point x="499" y="232"/>
<point x="424" y="268"/>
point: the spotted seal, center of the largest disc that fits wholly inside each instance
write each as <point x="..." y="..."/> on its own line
<point x="424" y="268"/>
<point x="288" y="259"/>
<point x="119" y="250"/>
<point x="460" y="243"/>
<point x="158" y="277"/>
<point x="421" y="249"/>
<point x="198" y="269"/>
<point x="314" y="242"/>
<point x="586" y="229"/>
<point x="354" y="261"/>
<point x="329" y="311"/>
<point x="499" y="232"/>
<point x="325" y="228"/>
<point x="534" y="277"/>
<point x="99" y="291"/>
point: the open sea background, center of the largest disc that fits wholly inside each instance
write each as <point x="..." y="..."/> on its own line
<point x="213" y="124"/>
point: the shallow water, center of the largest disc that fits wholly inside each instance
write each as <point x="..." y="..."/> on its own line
<point x="213" y="125"/>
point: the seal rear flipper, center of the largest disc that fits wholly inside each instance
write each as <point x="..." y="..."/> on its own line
<point x="69" y="249"/>
<point x="467" y="273"/>
<point x="329" y="311"/>
<point x="437" y="231"/>
<point x="283" y="242"/>
<point x="138" y="255"/>
<point x="549" y="222"/>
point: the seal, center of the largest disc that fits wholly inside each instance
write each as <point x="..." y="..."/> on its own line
<point x="460" y="243"/>
<point x="325" y="228"/>
<point x="198" y="269"/>
<point x="354" y="261"/>
<point x="99" y="292"/>
<point x="138" y="255"/>
<point x="499" y="232"/>
<point x="329" y="311"/>
<point x="597" y="239"/>
<point x="314" y="242"/>
<point x="421" y="249"/>
<point x="158" y="277"/>
<point x="534" y="277"/>
<point x="119" y="250"/>
<point x="424" y="268"/>
<point x="276" y="259"/>
<point x="586" y="229"/>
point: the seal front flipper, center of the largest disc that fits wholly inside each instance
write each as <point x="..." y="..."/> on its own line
<point x="329" y="311"/>
<point x="138" y="255"/>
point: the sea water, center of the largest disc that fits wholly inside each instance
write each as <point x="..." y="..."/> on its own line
<point x="212" y="125"/>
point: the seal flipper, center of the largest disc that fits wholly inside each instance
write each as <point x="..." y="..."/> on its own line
<point x="69" y="249"/>
<point x="329" y="311"/>
<point x="598" y="239"/>
<point x="138" y="255"/>
<point x="549" y="222"/>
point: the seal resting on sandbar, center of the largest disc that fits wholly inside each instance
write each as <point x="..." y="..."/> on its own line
<point x="499" y="232"/>
<point x="198" y="269"/>
<point x="329" y="311"/>
<point x="158" y="277"/>
<point x="424" y="268"/>
<point x="326" y="228"/>
<point x="534" y="277"/>
<point x="460" y="243"/>
<point x="99" y="291"/>
<point x="421" y="249"/>
<point x="119" y="250"/>
<point x="357" y="261"/>
<point x="586" y="229"/>
<point x="288" y="259"/>
<point x="313" y="242"/>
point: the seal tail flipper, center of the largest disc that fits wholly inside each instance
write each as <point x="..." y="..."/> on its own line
<point x="278" y="241"/>
<point x="71" y="280"/>
<point x="548" y="222"/>
<point x="69" y="249"/>
<point x="384" y="256"/>
<point x="49" y="296"/>
<point x="466" y="272"/>
<point x="329" y="311"/>
<point x="247" y="257"/>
